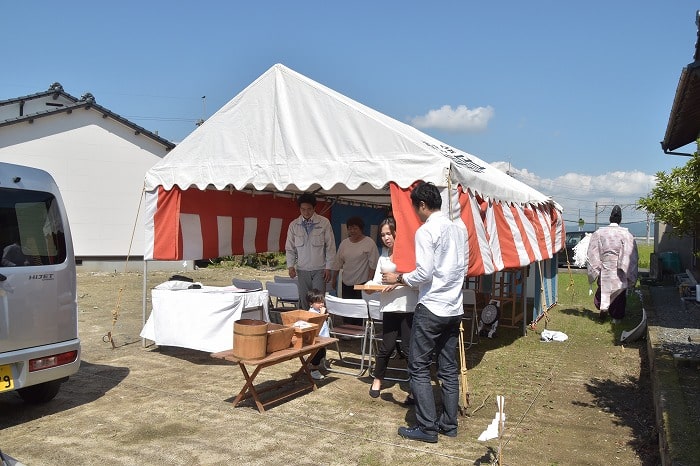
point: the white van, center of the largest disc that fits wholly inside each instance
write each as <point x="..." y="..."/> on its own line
<point x="39" y="344"/>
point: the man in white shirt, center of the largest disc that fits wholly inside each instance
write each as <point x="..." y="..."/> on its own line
<point x="310" y="249"/>
<point x="441" y="266"/>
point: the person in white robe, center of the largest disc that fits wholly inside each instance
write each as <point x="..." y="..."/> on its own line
<point x="612" y="262"/>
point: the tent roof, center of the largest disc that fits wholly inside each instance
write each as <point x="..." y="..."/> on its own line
<point x="286" y="132"/>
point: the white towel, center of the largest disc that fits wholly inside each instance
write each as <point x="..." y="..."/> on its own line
<point x="553" y="335"/>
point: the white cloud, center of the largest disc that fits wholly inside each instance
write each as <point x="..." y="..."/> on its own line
<point x="582" y="195"/>
<point x="459" y="120"/>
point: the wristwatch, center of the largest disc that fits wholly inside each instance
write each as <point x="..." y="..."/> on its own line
<point x="399" y="278"/>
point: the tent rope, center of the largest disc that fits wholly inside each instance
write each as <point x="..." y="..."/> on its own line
<point x="109" y="337"/>
<point x="571" y="287"/>
<point x="543" y="302"/>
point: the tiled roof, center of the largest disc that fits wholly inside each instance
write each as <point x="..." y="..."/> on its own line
<point x="86" y="102"/>
<point x="684" y="122"/>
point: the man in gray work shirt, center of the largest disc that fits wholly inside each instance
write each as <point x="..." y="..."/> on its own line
<point x="310" y="249"/>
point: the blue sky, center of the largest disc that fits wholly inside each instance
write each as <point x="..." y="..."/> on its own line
<point x="571" y="98"/>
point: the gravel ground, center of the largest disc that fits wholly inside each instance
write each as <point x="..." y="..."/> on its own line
<point x="674" y="352"/>
<point x="586" y="401"/>
<point x="678" y="322"/>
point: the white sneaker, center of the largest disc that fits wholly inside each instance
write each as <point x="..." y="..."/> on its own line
<point x="316" y="375"/>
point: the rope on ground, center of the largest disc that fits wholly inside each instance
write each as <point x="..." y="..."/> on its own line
<point x="483" y="403"/>
<point x="550" y="377"/>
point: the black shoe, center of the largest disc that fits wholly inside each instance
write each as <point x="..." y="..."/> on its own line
<point x="602" y="316"/>
<point x="448" y="433"/>
<point x="374" y="393"/>
<point x="416" y="433"/>
<point x="409" y="401"/>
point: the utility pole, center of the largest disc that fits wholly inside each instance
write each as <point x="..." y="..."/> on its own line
<point x="204" y="111"/>
<point x="595" y="226"/>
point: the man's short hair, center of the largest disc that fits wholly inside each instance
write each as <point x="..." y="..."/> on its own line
<point x="428" y="193"/>
<point x="307" y="198"/>
<point x="356" y="221"/>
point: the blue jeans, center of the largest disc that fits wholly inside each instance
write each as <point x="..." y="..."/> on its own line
<point x="431" y="334"/>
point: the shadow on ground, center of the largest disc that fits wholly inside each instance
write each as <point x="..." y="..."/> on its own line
<point x="201" y="358"/>
<point x="91" y="382"/>
<point x="620" y="399"/>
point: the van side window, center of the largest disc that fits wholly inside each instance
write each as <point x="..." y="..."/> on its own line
<point x="31" y="231"/>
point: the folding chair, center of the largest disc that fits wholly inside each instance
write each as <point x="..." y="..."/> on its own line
<point x="470" y="314"/>
<point x="247" y="284"/>
<point x="283" y="279"/>
<point x="375" y="336"/>
<point x="283" y="297"/>
<point x="253" y="313"/>
<point x="349" y="308"/>
<point x="374" y="309"/>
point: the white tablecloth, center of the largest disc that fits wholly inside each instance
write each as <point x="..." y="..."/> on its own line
<point x="200" y="319"/>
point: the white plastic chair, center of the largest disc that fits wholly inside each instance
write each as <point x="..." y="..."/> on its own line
<point x="283" y="297"/>
<point x="375" y="335"/>
<point x="356" y="308"/>
<point x="247" y="284"/>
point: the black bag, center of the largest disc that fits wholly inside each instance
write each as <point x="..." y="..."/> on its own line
<point x="181" y="278"/>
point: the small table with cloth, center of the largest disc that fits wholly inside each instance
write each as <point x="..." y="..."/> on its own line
<point x="200" y="319"/>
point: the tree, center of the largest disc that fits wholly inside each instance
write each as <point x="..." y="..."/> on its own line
<point x="676" y="198"/>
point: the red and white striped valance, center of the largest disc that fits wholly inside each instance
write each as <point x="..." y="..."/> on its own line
<point x="195" y="224"/>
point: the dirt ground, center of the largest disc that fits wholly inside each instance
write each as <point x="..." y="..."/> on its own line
<point x="585" y="401"/>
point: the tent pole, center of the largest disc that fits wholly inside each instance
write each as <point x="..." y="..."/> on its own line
<point x="143" y="299"/>
<point x="524" y="304"/>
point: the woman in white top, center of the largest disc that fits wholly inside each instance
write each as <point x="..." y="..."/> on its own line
<point x="397" y="309"/>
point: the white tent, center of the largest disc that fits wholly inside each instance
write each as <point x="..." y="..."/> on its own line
<point x="286" y="133"/>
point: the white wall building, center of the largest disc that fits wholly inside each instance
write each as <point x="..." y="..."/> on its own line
<point x="98" y="159"/>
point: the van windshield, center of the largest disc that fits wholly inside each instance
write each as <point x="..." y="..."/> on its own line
<point x="31" y="231"/>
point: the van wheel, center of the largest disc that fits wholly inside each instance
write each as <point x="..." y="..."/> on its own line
<point x="40" y="393"/>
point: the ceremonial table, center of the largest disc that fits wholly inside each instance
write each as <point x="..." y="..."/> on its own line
<point x="203" y="318"/>
<point x="271" y="359"/>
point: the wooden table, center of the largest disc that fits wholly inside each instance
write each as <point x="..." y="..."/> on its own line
<point x="271" y="359"/>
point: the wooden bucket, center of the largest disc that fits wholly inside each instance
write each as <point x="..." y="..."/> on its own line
<point x="249" y="339"/>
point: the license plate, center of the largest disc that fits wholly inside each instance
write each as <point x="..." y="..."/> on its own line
<point x="6" y="381"/>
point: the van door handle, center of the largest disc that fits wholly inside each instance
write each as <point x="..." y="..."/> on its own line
<point x="2" y="278"/>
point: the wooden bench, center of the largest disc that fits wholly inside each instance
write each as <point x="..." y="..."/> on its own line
<point x="304" y="354"/>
